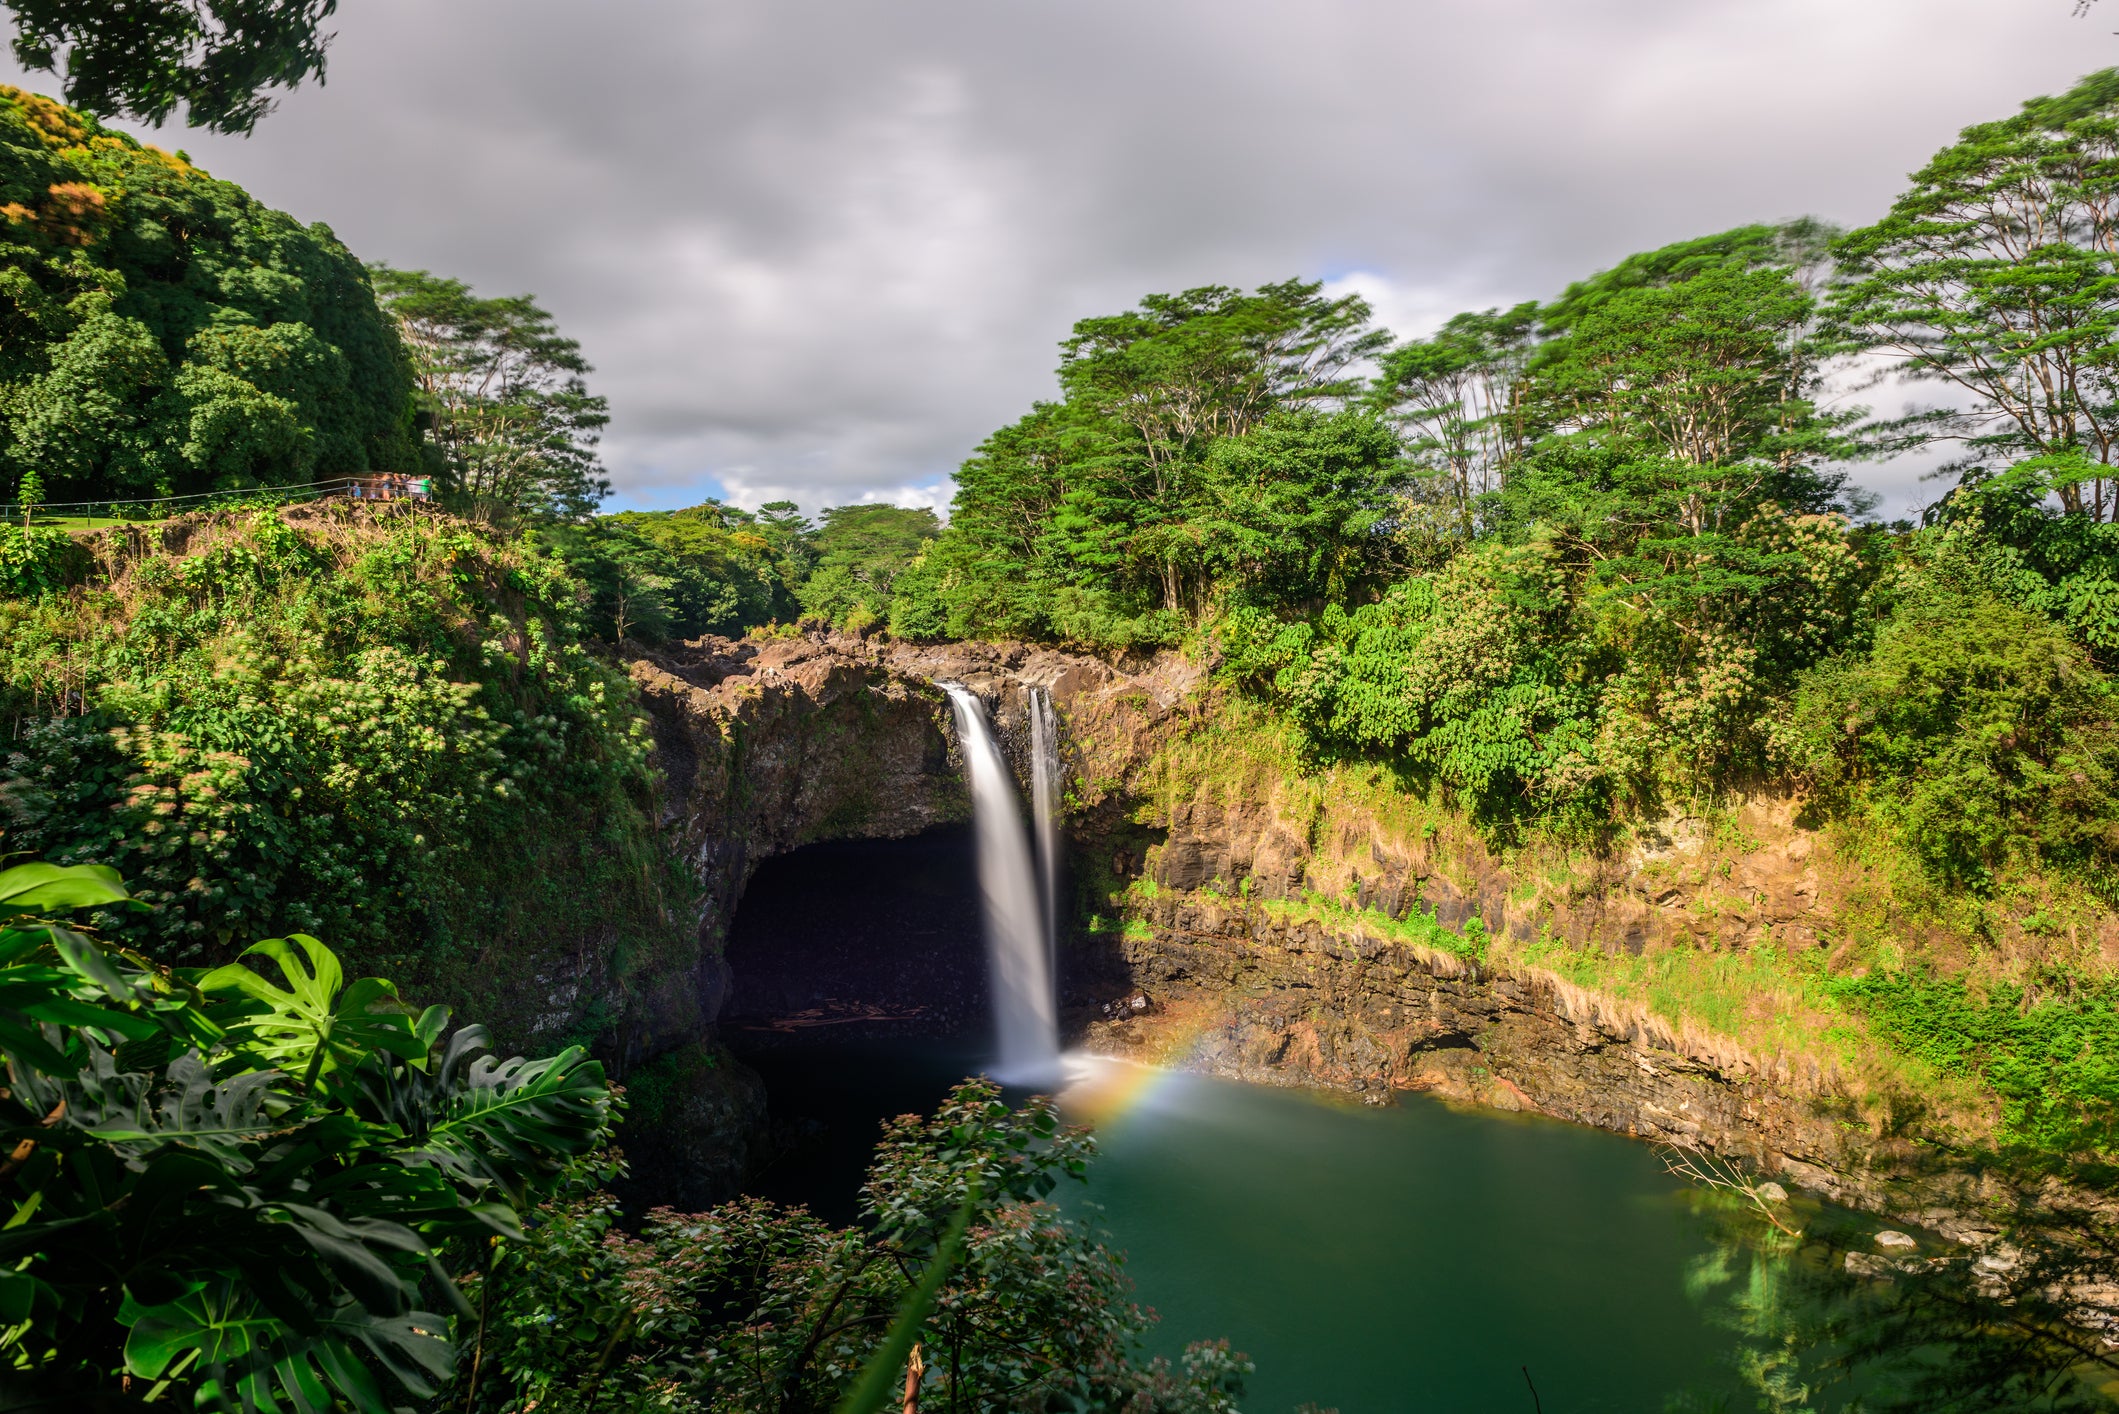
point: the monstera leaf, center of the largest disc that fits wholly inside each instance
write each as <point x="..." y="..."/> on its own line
<point x="51" y="976"/>
<point x="505" y="1122"/>
<point x="60" y="888"/>
<point x="137" y="1115"/>
<point x="247" y="1183"/>
<point x="315" y="1024"/>
<point x="251" y="1360"/>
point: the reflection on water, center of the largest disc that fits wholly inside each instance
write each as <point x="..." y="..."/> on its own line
<point x="1413" y="1257"/>
<point x="1416" y="1257"/>
<point x="1405" y="1258"/>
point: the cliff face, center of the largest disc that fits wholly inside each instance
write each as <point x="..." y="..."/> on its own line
<point x="1238" y="991"/>
<point x="1210" y="852"/>
<point x="766" y="746"/>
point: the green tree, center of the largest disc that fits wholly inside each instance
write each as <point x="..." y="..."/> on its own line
<point x="146" y="58"/>
<point x="1459" y="397"/>
<point x="1106" y="518"/>
<point x="661" y="575"/>
<point x="1295" y="512"/>
<point x="1179" y="373"/>
<point x="861" y="551"/>
<point x="2010" y="533"/>
<point x="162" y="333"/>
<point x="1994" y="276"/>
<point x="1976" y="728"/>
<point x="512" y="413"/>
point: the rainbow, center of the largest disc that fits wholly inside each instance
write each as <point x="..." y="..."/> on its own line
<point x="1102" y="1088"/>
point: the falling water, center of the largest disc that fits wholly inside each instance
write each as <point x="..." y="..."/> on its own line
<point x="1044" y="812"/>
<point x="1023" y="1010"/>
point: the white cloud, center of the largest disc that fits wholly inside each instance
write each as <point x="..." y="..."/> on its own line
<point x="819" y="249"/>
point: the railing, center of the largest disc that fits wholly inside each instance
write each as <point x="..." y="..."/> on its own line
<point x="381" y="487"/>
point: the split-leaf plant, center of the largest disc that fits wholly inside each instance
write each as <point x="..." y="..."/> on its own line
<point x="233" y="1192"/>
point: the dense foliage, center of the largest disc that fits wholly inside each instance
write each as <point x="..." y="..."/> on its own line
<point x="755" y="1307"/>
<point x="161" y="332"/>
<point x="658" y="576"/>
<point x="861" y="552"/>
<point x="662" y="576"/>
<point x="146" y="59"/>
<point x="1203" y="447"/>
<point x="384" y="728"/>
<point x="236" y="1190"/>
<point x="1592" y="560"/>
<point x="1582" y="566"/>
<point x="1996" y="277"/>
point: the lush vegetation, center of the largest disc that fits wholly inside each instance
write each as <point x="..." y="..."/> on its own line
<point x="861" y="554"/>
<point x="1563" y="571"/>
<point x="755" y="1307"/>
<point x="1577" y="568"/>
<point x="505" y="393"/>
<point x="162" y="332"/>
<point x="241" y="1189"/>
<point x="385" y="729"/>
<point x="280" y="1191"/>
<point x="662" y="576"/>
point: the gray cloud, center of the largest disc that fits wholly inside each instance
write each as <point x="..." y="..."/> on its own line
<point x="820" y="249"/>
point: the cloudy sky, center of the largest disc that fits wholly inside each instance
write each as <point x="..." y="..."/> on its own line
<point x="819" y="248"/>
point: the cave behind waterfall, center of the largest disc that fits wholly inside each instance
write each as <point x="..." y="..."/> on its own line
<point x="859" y="991"/>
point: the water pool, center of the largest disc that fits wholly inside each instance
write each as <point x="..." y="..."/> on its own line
<point x="1410" y="1256"/>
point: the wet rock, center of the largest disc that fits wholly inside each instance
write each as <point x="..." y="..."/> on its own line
<point x="1896" y="1242"/>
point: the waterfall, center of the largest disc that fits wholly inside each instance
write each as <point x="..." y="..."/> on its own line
<point x="1025" y="1017"/>
<point x="1044" y="813"/>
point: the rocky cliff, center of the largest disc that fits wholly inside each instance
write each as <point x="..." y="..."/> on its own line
<point x="1236" y="911"/>
<point x="768" y="745"/>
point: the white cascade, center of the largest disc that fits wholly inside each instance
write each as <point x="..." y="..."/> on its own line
<point x="1044" y="815"/>
<point x="1026" y="1023"/>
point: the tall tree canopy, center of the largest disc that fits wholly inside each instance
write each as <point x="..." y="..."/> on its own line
<point x="1996" y="276"/>
<point x="512" y="414"/>
<point x="162" y="332"/>
<point x="1128" y="506"/>
<point x="143" y="58"/>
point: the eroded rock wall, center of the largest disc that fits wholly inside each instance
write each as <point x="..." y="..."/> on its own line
<point x="771" y="745"/>
<point x="1236" y="989"/>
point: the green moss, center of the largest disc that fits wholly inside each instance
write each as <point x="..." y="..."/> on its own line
<point x="654" y="1091"/>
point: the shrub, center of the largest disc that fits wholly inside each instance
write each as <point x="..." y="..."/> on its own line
<point x="1979" y="730"/>
<point x="366" y="728"/>
<point x="2048" y="1050"/>
<point x="754" y="1307"/>
<point x="37" y="560"/>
